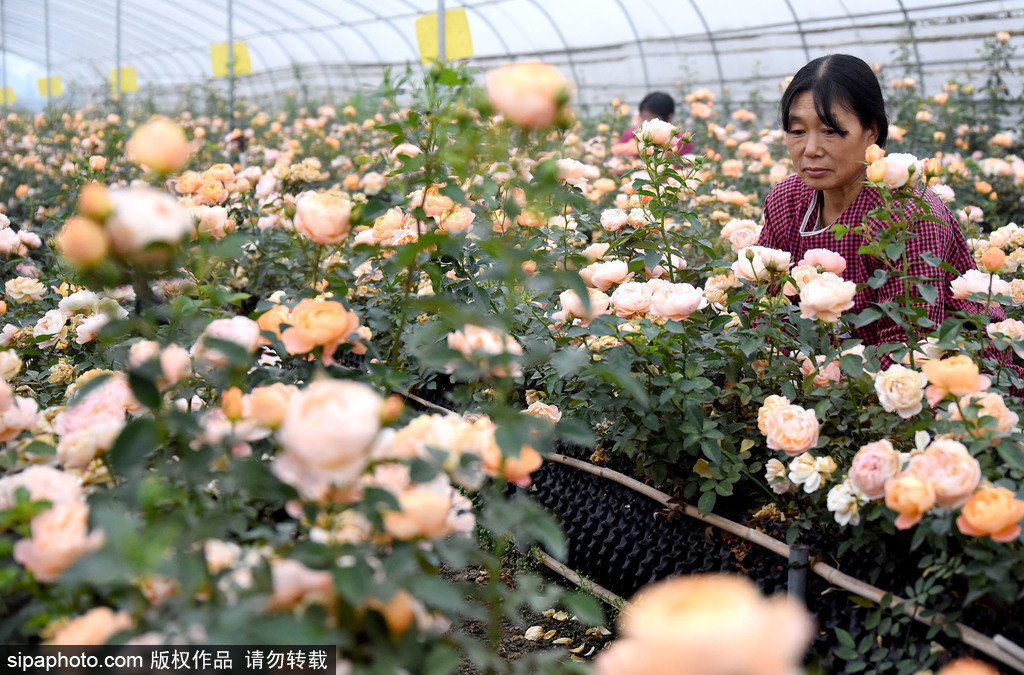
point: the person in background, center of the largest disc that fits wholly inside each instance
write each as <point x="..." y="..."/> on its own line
<point x="832" y="112"/>
<point x="655" y="106"/>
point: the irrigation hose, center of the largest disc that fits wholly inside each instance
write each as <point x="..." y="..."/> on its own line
<point x="1000" y="648"/>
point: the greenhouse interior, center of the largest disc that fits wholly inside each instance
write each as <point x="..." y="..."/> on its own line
<point x="686" y="337"/>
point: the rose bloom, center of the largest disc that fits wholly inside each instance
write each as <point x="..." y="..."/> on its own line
<point x="424" y="513"/>
<point x="766" y="409"/>
<point x="83" y="241"/>
<point x="212" y="220"/>
<point x="44" y="483"/>
<point x="958" y="376"/>
<point x="910" y="497"/>
<point x="17" y="413"/>
<point x="60" y="536"/>
<point x="656" y="132"/>
<point x="900" y="168"/>
<point x="318" y="323"/>
<point x="976" y="281"/>
<point x="295" y="583"/>
<point x="10" y="364"/>
<point x="387" y="224"/>
<point x="515" y="469"/>
<point x="708" y="624"/>
<point x="323" y="217"/>
<point x="595" y="252"/>
<point x="676" y="301"/>
<point x="573" y="305"/>
<point x="755" y="263"/>
<point x="24" y="290"/>
<point x="901" y="390"/>
<point x="992" y="512"/>
<point x="529" y="95"/>
<point x="873" y="465"/>
<point x="94" y="627"/>
<point x="456" y="219"/>
<point x="473" y="341"/>
<point x="614" y="220"/>
<point x="740" y="233"/>
<point x="603" y="275"/>
<point x="318" y="451"/>
<point x="965" y="666"/>
<point x="544" y="411"/>
<point x="1007" y="332"/>
<point x="827" y="260"/>
<point x="989" y="405"/>
<point x="801" y="274"/>
<point x="142" y="216"/>
<point x="791" y="429"/>
<point x="160" y="145"/>
<point x="824" y="375"/>
<point x="266" y="406"/>
<point x="950" y="469"/>
<point x="825" y="297"/>
<point x="241" y="330"/>
<point x="631" y="298"/>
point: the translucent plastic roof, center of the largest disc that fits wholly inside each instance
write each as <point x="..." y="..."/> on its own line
<point x="608" y="48"/>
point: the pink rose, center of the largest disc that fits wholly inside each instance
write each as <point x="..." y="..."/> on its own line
<point x="824" y="374"/>
<point x="573" y="304"/>
<point x="950" y="469"/>
<point x="241" y="330"/>
<point x="94" y="627"/>
<point x="543" y="410"/>
<point x="44" y="483"/>
<point x="323" y="217"/>
<point x="829" y="261"/>
<point x="898" y="169"/>
<point x="631" y="298"/>
<point x="293" y="583"/>
<point x="677" y="301"/>
<point x="872" y="466"/>
<point x="603" y="275"/>
<point x="614" y="220"/>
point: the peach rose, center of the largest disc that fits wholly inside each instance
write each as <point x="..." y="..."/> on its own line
<point x="83" y="241"/>
<point x="901" y="390"/>
<point x="873" y="465"/>
<point x="267" y="406"/>
<point x="1008" y="332"/>
<point x="827" y="260"/>
<point x="545" y="411"/>
<point x="631" y="298"/>
<point x="767" y="408"/>
<point x="456" y="219"/>
<point x="60" y="536"/>
<point x="270" y="321"/>
<point x="295" y="583"/>
<point x="44" y="483"/>
<point x="515" y="470"/>
<point x="529" y="95"/>
<point x="326" y="436"/>
<point x="603" y="275"/>
<point x="792" y="429"/>
<point x="656" y="132"/>
<point x="909" y="496"/>
<point x="595" y="252"/>
<point x="323" y="217"/>
<point x="824" y="374"/>
<point x="474" y="342"/>
<point x="992" y="512"/>
<point x="957" y="376"/>
<point x="573" y="305"/>
<point x="801" y="274"/>
<point x="976" y="281"/>
<point x="387" y="224"/>
<point x="900" y="168"/>
<point x="399" y="612"/>
<point x="160" y="144"/>
<point x="968" y="667"/>
<point x="950" y="469"/>
<point x="614" y="220"/>
<point x="740" y="232"/>
<point x="708" y="624"/>
<point x="94" y="627"/>
<point x="17" y="413"/>
<point x="318" y="323"/>
<point x="423" y="513"/>
<point x="825" y="297"/>
<point x="989" y="404"/>
<point x="676" y="301"/>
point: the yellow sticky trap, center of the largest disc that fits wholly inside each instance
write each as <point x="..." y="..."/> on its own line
<point x="129" y="83"/>
<point x="219" y="59"/>
<point x="9" y="96"/>
<point x="56" y="89"/>
<point x="458" y="43"/>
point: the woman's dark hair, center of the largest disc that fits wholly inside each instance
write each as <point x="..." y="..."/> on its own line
<point x="840" y="80"/>
<point x="659" y="104"/>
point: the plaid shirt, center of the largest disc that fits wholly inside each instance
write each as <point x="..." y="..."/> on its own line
<point x="784" y="209"/>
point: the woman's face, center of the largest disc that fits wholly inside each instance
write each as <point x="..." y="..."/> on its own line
<point x="827" y="159"/>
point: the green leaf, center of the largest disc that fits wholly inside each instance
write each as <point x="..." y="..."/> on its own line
<point x="845" y="638"/>
<point x="707" y="502"/>
<point x="441" y="660"/>
<point x="144" y="390"/>
<point x="586" y="608"/>
<point x="928" y="292"/>
<point x="133" y="445"/>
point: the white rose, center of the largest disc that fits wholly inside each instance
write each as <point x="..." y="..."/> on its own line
<point x="901" y="390"/>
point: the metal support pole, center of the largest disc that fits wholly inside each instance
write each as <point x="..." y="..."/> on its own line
<point x="799" y="562"/>
<point x="442" y="51"/>
<point x="117" y="66"/>
<point x="231" y="68"/>
<point x="3" y="46"/>
<point x="46" y="21"/>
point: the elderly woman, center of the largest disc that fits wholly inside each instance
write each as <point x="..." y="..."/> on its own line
<point x="832" y="112"/>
